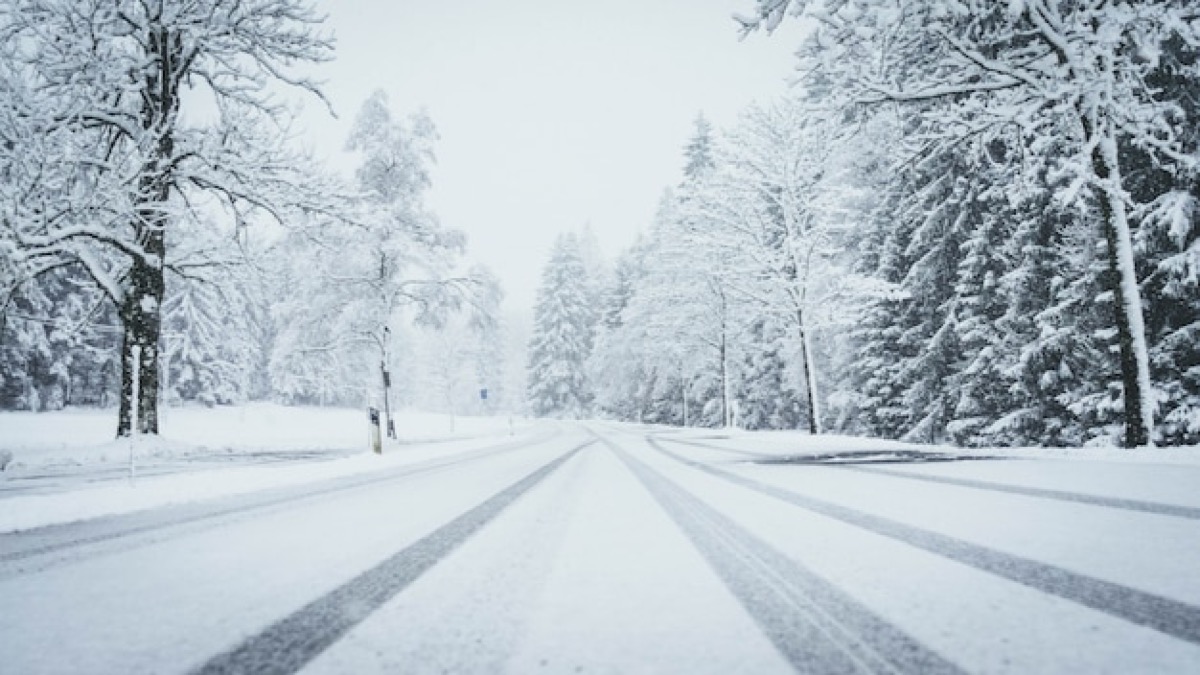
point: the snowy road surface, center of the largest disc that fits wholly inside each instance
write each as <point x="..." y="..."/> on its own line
<point x="617" y="549"/>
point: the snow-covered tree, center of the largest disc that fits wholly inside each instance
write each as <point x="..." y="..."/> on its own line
<point x="1053" y="69"/>
<point x="778" y="206"/>
<point x="617" y="365"/>
<point x="767" y="399"/>
<point x="206" y="349"/>
<point x="57" y="339"/>
<point x="349" y="281"/>
<point x="103" y="159"/>
<point x="698" y="153"/>
<point x="559" y="348"/>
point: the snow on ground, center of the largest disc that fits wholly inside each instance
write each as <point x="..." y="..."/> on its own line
<point x="585" y="574"/>
<point x="627" y="559"/>
<point x="90" y="480"/>
<point x="981" y="621"/>
<point x="183" y="597"/>
<point x="798" y="443"/>
<point x="206" y="453"/>
<point x="81" y="436"/>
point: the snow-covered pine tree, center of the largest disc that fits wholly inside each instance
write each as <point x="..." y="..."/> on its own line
<point x="1169" y="241"/>
<point x="1081" y="73"/>
<point x="698" y="153"/>
<point x="58" y="340"/>
<point x="765" y="395"/>
<point x="875" y="370"/>
<point x="558" y="350"/>
<point x="980" y="386"/>
<point x="616" y="366"/>
<point x="206" y="350"/>
<point x="943" y="210"/>
<point x="1168" y="247"/>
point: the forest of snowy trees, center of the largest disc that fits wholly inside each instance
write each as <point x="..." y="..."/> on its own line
<point x="966" y="221"/>
<point x="972" y="222"/>
<point x="162" y="235"/>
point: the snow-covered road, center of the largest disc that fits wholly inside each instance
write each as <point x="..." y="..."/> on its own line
<point x="614" y="548"/>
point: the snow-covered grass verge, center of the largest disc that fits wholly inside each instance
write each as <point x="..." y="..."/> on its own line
<point x="192" y="436"/>
<point x="24" y="512"/>
<point x="85" y="436"/>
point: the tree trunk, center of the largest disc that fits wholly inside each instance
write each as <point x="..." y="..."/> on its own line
<point x="810" y="377"/>
<point x="724" y="380"/>
<point x="141" y="309"/>
<point x="683" y="395"/>
<point x="142" y="328"/>
<point x="1127" y="299"/>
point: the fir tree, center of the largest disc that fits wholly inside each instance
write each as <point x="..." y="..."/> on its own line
<point x="558" y="350"/>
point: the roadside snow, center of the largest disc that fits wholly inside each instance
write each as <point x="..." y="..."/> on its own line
<point x="47" y="443"/>
<point x="84" y="436"/>
<point x="795" y="443"/>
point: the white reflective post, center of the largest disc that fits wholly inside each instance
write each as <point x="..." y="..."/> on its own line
<point x="134" y="402"/>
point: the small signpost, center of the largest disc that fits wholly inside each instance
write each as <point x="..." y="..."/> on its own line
<point x="376" y="438"/>
<point x="134" y="402"/>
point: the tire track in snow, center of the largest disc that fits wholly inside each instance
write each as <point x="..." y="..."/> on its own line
<point x="817" y="627"/>
<point x="290" y="643"/>
<point x="18" y="547"/>
<point x="1156" y="508"/>
<point x="1156" y="612"/>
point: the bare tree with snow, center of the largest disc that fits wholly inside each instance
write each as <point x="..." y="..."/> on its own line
<point x="109" y="146"/>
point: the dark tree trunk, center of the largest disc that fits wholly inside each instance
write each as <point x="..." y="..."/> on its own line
<point x="141" y="309"/>
<point x="810" y="393"/>
<point x="142" y="327"/>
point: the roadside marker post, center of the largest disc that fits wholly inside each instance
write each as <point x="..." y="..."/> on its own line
<point x="376" y="438"/>
<point x="134" y="402"/>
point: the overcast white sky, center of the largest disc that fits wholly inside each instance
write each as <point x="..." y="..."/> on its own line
<point x="552" y="113"/>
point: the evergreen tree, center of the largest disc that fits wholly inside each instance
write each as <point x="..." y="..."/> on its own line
<point x="972" y="68"/>
<point x="1168" y="247"/>
<point x="698" y="153"/>
<point x="559" y="348"/>
<point x="765" y="396"/>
